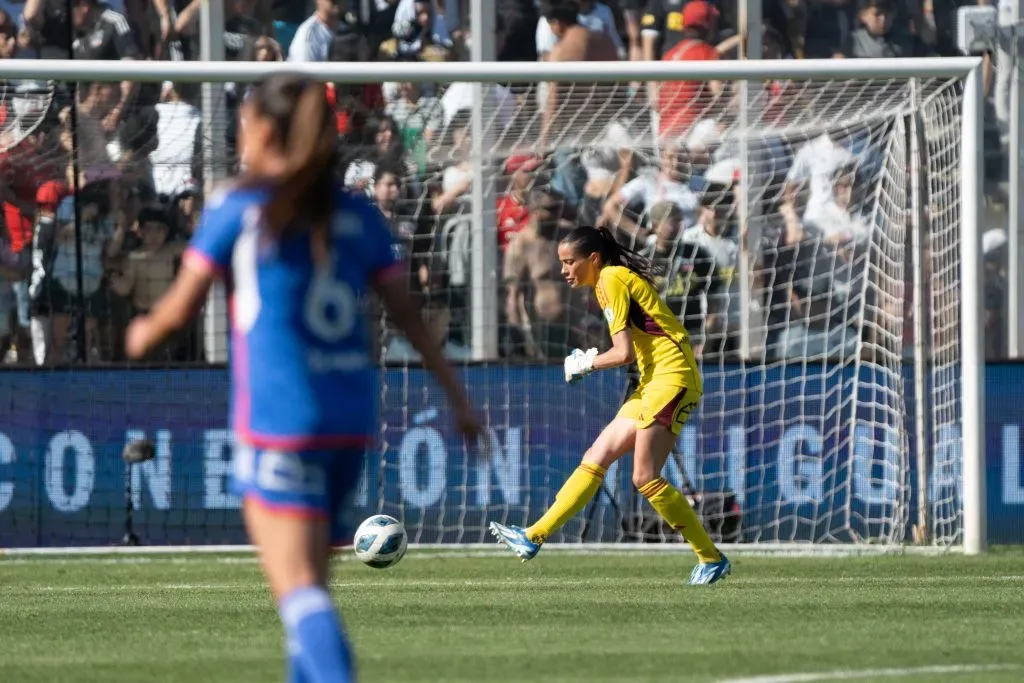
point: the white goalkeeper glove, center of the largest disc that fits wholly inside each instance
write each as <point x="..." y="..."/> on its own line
<point x="579" y="364"/>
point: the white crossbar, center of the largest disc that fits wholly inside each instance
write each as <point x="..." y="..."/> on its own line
<point x="508" y="72"/>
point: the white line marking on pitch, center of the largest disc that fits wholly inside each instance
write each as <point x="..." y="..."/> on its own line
<point x="854" y="674"/>
<point x="396" y="581"/>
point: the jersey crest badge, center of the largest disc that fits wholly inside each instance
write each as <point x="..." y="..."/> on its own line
<point x="609" y="314"/>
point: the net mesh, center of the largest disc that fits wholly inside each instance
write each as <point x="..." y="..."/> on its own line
<point x="798" y="313"/>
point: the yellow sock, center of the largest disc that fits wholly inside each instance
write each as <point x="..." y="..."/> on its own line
<point x="574" y="495"/>
<point x="675" y="509"/>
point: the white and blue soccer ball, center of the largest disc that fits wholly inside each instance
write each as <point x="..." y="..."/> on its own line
<point x="381" y="541"/>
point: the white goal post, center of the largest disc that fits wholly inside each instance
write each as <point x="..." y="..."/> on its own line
<point x="857" y="86"/>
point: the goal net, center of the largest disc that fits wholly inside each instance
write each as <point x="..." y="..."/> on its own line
<point x="784" y="217"/>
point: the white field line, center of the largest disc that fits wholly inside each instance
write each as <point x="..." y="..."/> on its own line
<point x="523" y="582"/>
<point x="473" y="549"/>
<point x="857" y="674"/>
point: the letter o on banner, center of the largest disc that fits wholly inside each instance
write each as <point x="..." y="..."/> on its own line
<point x="430" y="492"/>
<point x="85" y="471"/>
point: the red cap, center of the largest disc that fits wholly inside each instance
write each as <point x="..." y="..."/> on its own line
<point x="522" y="162"/>
<point x="700" y="14"/>
<point x="50" y="193"/>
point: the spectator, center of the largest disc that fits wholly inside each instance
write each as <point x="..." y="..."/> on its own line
<point x="686" y="274"/>
<point x="385" y="146"/>
<point x="378" y="28"/>
<point x="418" y="116"/>
<point x="13" y="270"/>
<point x="499" y="103"/>
<point x="632" y="17"/>
<point x="994" y="248"/>
<point x="55" y="279"/>
<point x="712" y="234"/>
<point x="186" y="208"/>
<point x="8" y="36"/>
<point x="792" y="252"/>
<point x="681" y="104"/>
<point x="286" y="17"/>
<point x="877" y="37"/>
<point x="94" y="107"/>
<point x="572" y="108"/>
<point x="646" y="190"/>
<point x="312" y="41"/>
<point x="822" y="323"/>
<point x="834" y="219"/>
<point x="539" y="305"/>
<point x="241" y="28"/>
<point x="355" y="104"/>
<point x="266" y="49"/>
<point x="417" y="25"/>
<point x="137" y="139"/>
<point x="457" y="179"/>
<point x="178" y="154"/>
<point x="816" y="163"/>
<point x="387" y="192"/>
<point x="824" y="27"/>
<point x="102" y="33"/>
<point x="606" y="172"/>
<point x="49" y="25"/>
<point x="517" y="20"/>
<point x="664" y="24"/>
<point x="593" y="15"/>
<point x="513" y="214"/>
<point x="148" y="272"/>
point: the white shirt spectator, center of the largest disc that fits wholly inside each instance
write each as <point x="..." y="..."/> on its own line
<point x="499" y="104"/>
<point x="816" y="163"/>
<point x="724" y="250"/>
<point x="452" y="177"/>
<point x="726" y="253"/>
<point x="177" y="140"/>
<point x="599" y="20"/>
<point x="653" y="188"/>
<point x="312" y="41"/>
<point x="833" y="221"/>
<point x="403" y="25"/>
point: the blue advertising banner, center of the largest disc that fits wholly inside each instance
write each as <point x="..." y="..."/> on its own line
<point x="806" y="451"/>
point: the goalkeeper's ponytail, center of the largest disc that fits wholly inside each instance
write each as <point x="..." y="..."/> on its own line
<point x="587" y="240"/>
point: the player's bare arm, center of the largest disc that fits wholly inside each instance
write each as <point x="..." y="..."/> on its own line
<point x="621" y="353"/>
<point x="171" y="313"/>
<point x="394" y="294"/>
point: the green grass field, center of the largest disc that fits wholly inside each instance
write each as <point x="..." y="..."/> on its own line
<point x="564" y="617"/>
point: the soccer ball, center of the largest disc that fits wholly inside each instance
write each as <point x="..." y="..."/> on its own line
<point x="381" y="541"/>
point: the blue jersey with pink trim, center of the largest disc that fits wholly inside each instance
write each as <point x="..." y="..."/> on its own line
<point x="302" y="373"/>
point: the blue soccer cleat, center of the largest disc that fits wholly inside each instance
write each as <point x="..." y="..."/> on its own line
<point x="709" y="572"/>
<point x="516" y="540"/>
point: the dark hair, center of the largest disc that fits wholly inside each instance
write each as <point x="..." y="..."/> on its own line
<point x="586" y="240"/>
<point x="152" y="215"/>
<point x="563" y="11"/>
<point x="884" y="5"/>
<point x="304" y="126"/>
<point x="387" y="167"/>
<point x="717" y="195"/>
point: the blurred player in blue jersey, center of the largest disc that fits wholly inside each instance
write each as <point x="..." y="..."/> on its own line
<point x="299" y="254"/>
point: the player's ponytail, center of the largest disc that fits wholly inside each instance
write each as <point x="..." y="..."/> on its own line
<point x="302" y="194"/>
<point x="587" y="240"/>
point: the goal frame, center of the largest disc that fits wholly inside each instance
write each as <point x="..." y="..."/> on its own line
<point x="484" y="240"/>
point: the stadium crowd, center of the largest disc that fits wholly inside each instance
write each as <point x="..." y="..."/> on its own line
<point x="102" y="183"/>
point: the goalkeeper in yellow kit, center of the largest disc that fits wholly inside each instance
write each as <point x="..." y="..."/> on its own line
<point x="642" y="328"/>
